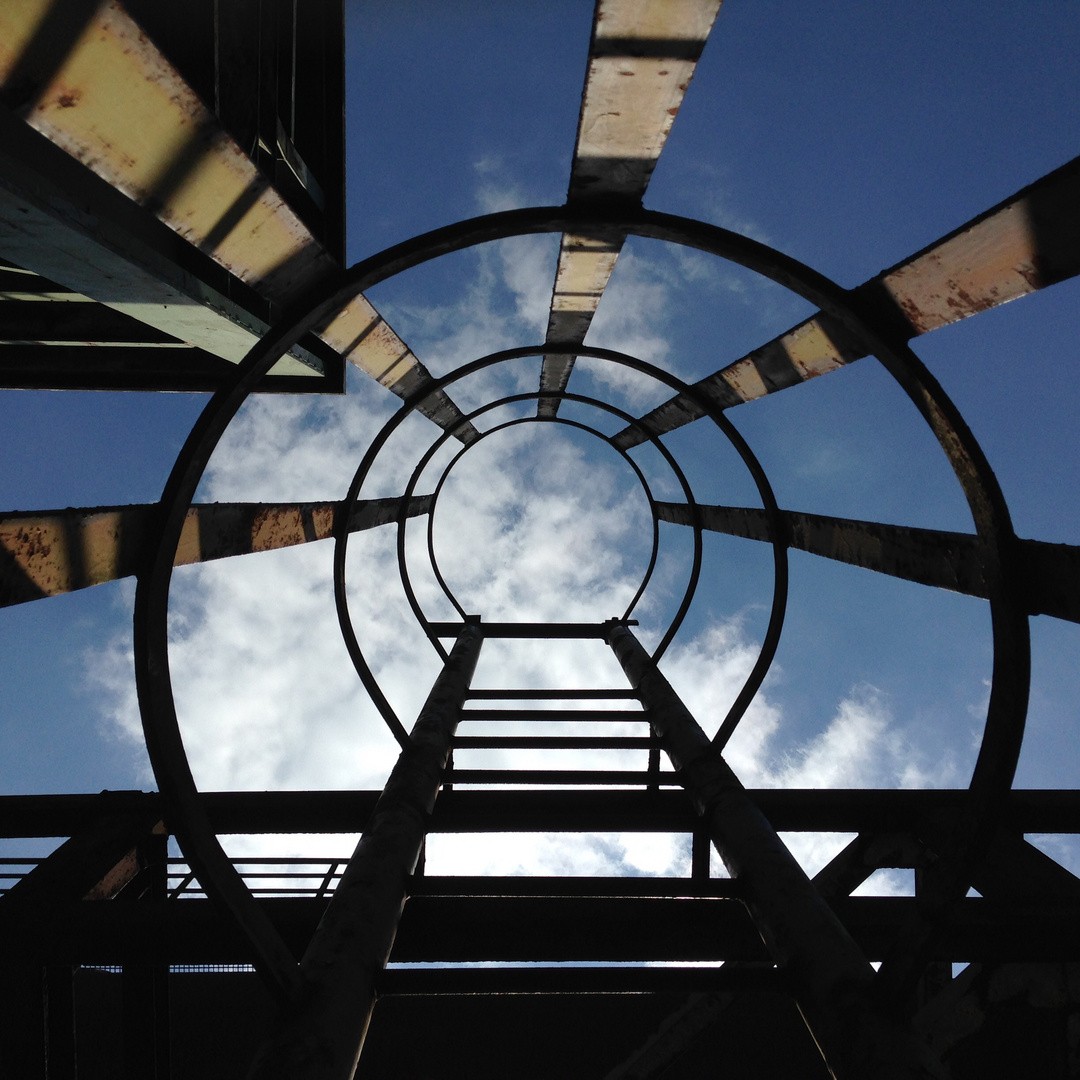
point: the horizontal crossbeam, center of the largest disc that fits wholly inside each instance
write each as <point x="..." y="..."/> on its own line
<point x="788" y="809"/>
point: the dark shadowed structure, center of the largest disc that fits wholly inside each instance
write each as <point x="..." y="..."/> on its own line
<point x="172" y="189"/>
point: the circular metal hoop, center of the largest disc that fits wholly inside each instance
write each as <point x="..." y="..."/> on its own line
<point x="779" y="543"/>
<point x="563" y="421"/>
<point x="1003" y="732"/>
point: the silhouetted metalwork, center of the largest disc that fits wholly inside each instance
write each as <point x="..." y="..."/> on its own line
<point x="233" y="282"/>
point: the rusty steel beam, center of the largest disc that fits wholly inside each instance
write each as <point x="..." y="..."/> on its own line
<point x="87" y="79"/>
<point x="321" y="1037"/>
<point x="642" y="57"/>
<point x="1023" y="244"/>
<point x="947" y="560"/>
<point x="45" y="553"/>
<point x="831" y="977"/>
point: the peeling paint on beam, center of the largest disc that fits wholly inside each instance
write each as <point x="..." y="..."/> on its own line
<point x="1023" y="244"/>
<point x="641" y="59"/>
<point x="47" y="553"/>
<point x="114" y="103"/>
<point x="1018" y="247"/>
<point x="369" y="343"/>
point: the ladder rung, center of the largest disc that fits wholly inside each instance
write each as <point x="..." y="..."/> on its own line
<point x="551" y="693"/>
<point x="552" y="742"/>
<point x="558" y="715"/>
<point x="562" y="777"/>
<point x="529" y="629"/>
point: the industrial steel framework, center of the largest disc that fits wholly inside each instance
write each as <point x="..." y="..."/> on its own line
<point x="869" y="976"/>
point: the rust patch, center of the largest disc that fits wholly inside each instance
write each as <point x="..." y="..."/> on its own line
<point x="1032" y="276"/>
<point x="68" y="100"/>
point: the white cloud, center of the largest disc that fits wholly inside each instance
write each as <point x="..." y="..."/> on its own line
<point x="546" y="531"/>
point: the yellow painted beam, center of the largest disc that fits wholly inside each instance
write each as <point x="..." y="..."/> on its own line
<point x="115" y="103"/>
<point x="642" y="57"/>
<point x="1023" y="244"/>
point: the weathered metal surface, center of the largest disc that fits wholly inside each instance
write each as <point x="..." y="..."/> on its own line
<point x="935" y="557"/>
<point x="831" y="977"/>
<point x="109" y="98"/>
<point x="321" y="1037"/>
<point x="367" y="341"/>
<point x="57" y="551"/>
<point x="68" y="225"/>
<point x="817" y="345"/>
<point x="1020" y="246"/>
<point x="117" y="105"/>
<point x="641" y="59"/>
<point x="1017" y="247"/>
<point x="945" y="559"/>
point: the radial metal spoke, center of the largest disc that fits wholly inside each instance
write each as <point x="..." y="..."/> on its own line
<point x="948" y="560"/>
<point x="1023" y="244"/>
<point x="163" y="149"/>
<point x="370" y="344"/>
<point x="45" y="553"/>
<point x="641" y="59"/>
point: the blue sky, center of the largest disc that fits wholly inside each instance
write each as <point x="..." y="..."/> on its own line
<point x="848" y="136"/>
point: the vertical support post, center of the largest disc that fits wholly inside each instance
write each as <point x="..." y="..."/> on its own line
<point x="60" y="1058"/>
<point x="654" y="762"/>
<point x="22" y="1020"/>
<point x="145" y="986"/>
<point x="831" y="978"/>
<point x="700" y="854"/>
<point x="321" y="1039"/>
<point x="936" y="975"/>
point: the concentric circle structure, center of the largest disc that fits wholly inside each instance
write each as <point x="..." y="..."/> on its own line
<point x="204" y="222"/>
<point x="805" y="937"/>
